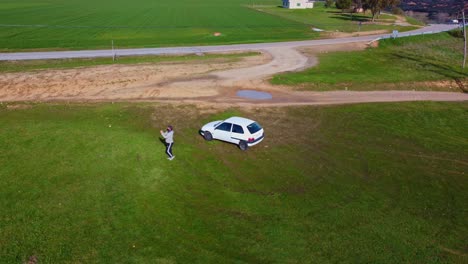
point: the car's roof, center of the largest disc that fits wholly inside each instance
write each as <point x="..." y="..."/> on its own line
<point x="239" y="120"/>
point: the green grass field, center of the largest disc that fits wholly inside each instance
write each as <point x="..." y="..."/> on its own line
<point x="401" y="64"/>
<point x="87" y="24"/>
<point x="369" y="183"/>
<point x="82" y="24"/>
<point x="332" y="19"/>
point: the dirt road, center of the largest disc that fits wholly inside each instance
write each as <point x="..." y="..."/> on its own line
<point x="215" y="81"/>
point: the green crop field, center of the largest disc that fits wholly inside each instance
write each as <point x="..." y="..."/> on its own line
<point x="408" y="63"/>
<point x="369" y="183"/>
<point x="81" y="24"/>
<point x="87" y="24"/>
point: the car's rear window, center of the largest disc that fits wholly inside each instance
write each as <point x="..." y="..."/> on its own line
<point x="254" y="128"/>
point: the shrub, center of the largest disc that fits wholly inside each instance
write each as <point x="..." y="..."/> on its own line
<point x="343" y="4"/>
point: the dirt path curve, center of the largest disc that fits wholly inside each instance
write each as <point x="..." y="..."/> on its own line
<point x="214" y="83"/>
<point x="198" y="83"/>
<point x="283" y="59"/>
<point x="204" y="82"/>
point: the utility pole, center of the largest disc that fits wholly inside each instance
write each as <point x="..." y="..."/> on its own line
<point x="113" y="52"/>
<point x="464" y="37"/>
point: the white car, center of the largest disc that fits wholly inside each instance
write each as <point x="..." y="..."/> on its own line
<point x="237" y="130"/>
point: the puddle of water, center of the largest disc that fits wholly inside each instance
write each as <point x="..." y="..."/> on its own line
<point x="252" y="94"/>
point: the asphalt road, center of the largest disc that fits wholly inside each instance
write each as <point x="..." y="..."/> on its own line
<point x="203" y="49"/>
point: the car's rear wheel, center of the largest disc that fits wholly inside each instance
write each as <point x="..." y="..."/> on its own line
<point x="243" y="145"/>
<point x="207" y="136"/>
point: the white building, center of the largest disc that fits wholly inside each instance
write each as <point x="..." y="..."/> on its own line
<point x="298" y="4"/>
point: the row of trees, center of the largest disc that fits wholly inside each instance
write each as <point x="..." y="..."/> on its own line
<point x="375" y="6"/>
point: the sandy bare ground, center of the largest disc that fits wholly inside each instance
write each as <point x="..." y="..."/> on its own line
<point x="215" y="81"/>
<point x="119" y="82"/>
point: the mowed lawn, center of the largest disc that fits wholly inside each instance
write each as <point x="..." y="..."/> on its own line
<point x="85" y="24"/>
<point x="370" y="183"/>
<point x="420" y="63"/>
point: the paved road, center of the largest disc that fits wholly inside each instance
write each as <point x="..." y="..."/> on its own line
<point x="201" y="49"/>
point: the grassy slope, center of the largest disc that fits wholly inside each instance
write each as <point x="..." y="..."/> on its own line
<point x="31" y="65"/>
<point x="414" y="21"/>
<point x="332" y="19"/>
<point x="379" y="183"/>
<point x="395" y="64"/>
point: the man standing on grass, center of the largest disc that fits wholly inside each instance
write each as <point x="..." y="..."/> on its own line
<point x="169" y="138"/>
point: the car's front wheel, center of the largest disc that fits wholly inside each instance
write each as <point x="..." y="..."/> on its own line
<point x="207" y="136"/>
<point x="243" y="145"/>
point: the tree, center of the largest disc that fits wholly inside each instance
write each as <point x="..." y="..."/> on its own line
<point x="392" y="4"/>
<point x="357" y="4"/>
<point x="329" y="3"/>
<point x="464" y="36"/>
<point x="376" y="6"/>
<point x="365" y="6"/>
<point x="343" y="4"/>
<point x="398" y="11"/>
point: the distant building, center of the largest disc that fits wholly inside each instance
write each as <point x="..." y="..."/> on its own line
<point x="298" y="4"/>
<point x="358" y="10"/>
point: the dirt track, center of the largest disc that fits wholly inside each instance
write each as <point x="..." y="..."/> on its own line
<point x="215" y="81"/>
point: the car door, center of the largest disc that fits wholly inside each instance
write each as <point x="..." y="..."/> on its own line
<point x="223" y="132"/>
<point x="237" y="133"/>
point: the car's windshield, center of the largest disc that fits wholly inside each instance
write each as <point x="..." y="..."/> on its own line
<point x="254" y="128"/>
